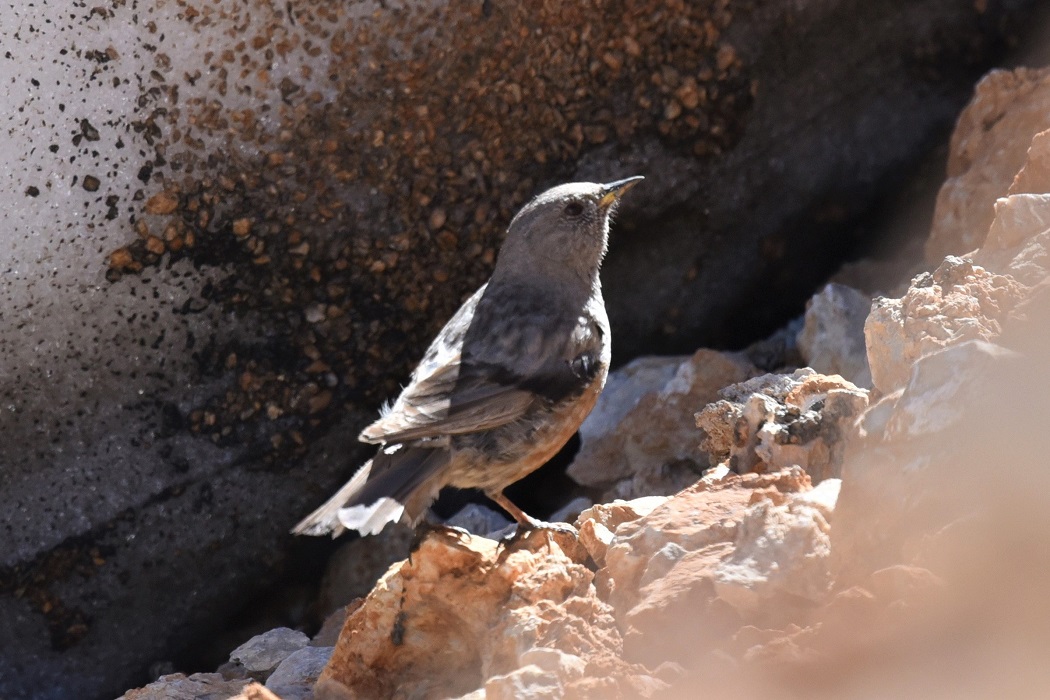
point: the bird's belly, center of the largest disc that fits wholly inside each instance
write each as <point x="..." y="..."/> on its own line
<point x="497" y="458"/>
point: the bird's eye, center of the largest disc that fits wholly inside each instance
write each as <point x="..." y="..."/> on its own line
<point x="573" y="209"/>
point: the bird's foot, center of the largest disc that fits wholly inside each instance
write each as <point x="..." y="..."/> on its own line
<point x="527" y="525"/>
<point x="551" y="532"/>
<point x="430" y="527"/>
<point x="534" y="524"/>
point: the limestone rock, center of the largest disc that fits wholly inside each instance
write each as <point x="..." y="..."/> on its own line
<point x="960" y="301"/>
<point x="261" y="654"/>
<point x="415" y="633"/>
<point x="254" y="691"/>
<point x="1034" y="177"/>
<point x="1018" y="217"/>
<point x="624" y="388"/>
<point x="597" y="525"/>
<point x="479" y="520"/>
<point x="892" y="480"/>
<point x="941" y="387"/>
<point x="775" y="421"/>
<point x="653" y="448"/>
<point x="178" y="686"/>
<point x="781" y="551"/>
<point x="988" y="148"/>
<point x="569" y="512"/>
<point x="832" y="339"/>
<point x="295" y="676"/>
<point x="702" y="515"/>
<point x="673" y="576"/>
<point x="529" y="682"/>
<point x="1019" y="241"/>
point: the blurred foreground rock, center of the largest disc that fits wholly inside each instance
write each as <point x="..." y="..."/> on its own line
<point x="988" y="150"/>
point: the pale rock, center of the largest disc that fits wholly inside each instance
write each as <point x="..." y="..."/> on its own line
<point x="875" y="420"/>
<point x="178" y="686"/>
<point x="780" y="552"/>
<point x="824" y="497"/>
<point x="1034" y="177"/>
<point x="1029" y="263"/>
<point x="623" y="390"/>
<point x="697" y="518"/>
<point x="526" y="683"/>
<point x="294" y="678"/>
<point x="1017" y="218"/>
<point x="716" y="474"/>
<point x="767" y="384"/>
<point x="901" y="582"/>
<point x="567" y="667"/>
<point x="595" y="538"/>
<point x="941" y="388"/>
<point x="598" y="523"/>
<point x="1019" y="241"/>
<point x="964" y="300"/>
<point x="902" y="480"/>
<point x="777" y="420"/>
<point x="662" y="562"/>
<point x="613" y="514"/>
<point x="987" y="149"/>
<point x="678" y="616"/>
<point x="661" y="570"/>
<point x="960" y="301"/>
<point x="569" y="512"/>
<point x="478" y="519"/>
<point x="253" y="691"/>
<point x="263" y="652"/>
<point x="832" y="339"/>
<point x="652" y="450"/>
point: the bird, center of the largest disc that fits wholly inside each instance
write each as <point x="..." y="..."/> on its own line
<point x="507" y="381"/>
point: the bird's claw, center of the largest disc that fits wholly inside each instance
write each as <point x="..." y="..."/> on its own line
<point x="523" y="530"/>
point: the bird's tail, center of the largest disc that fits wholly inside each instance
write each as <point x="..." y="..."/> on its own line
<point x="398" y="477"/>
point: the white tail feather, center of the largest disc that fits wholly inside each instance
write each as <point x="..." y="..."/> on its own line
<point x="370" y="520"/>
<point x="326" y="519"/>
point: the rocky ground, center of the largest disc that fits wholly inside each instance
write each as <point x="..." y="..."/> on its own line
<point x="870" y="524"/>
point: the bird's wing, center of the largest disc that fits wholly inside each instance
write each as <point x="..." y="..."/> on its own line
<point x="456" y="399"/>
<point x="481" y="375"/>
<point x="472" y="397"/>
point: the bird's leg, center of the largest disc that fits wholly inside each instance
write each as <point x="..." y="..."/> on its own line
<point x="518" y="514"/>
<point x="525" y="521"/>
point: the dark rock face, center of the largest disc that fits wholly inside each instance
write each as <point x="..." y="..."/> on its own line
<point x="232" y="232"/>
<point x="732" y="245"/>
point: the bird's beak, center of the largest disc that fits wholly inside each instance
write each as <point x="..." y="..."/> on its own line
<point x="614" y="190"/>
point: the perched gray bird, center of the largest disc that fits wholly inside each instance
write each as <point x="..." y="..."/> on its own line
<point x="507" y="381"/>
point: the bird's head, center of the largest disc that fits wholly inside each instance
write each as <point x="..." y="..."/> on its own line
<point x="563" y="232"/>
